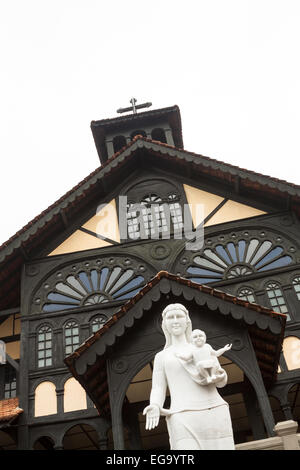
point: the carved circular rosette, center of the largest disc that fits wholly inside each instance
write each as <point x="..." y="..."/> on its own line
<point x="32" y="270"/>
<point x="237" y="344"/>
<point x="160" y="251"/>
<point x="119" y="366"/>
<point x="286" y="220"/>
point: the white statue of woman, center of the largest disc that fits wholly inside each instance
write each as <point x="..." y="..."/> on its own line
<point x="198" y="418"/>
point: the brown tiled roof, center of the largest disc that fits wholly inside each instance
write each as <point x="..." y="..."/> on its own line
<point x="9" y="409"/>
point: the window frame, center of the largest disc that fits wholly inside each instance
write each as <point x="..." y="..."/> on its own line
<point x="67" y="327"/>
<point x="294" y="284"/>
<point x="3" y="372"/>
<point x="273" y="307"/>
<point x="164" y="189"/>
<point x="11" y="372"/>
<point x="164" y="214"/>
<point x="93" y="321"/>
<point x="251" y="290"/>
<point x="45" y="340"/>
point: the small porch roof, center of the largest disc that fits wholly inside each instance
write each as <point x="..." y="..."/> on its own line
<point x="265" y="327"/>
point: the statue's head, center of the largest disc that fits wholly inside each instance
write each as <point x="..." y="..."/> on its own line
<point x="184" y="320"/>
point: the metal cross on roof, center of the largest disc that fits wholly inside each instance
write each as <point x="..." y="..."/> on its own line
<point x="134" y="107"/>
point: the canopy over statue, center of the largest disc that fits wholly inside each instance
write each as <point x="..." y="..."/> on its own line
<point x="198" y="418"/>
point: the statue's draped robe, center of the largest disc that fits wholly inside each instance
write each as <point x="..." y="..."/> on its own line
<point x="198" y="418"/>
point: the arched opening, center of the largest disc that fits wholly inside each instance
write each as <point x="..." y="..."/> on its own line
<point x="159" y="134"/>
<point x="43" y="443"/>
<point x="82" y="436"/>
<point x="7" y="440"/>
<point x="45" y="402"/>
<point x="159" y="212"/>
<point x="119" y="142"/>
<point x="276" y="410"/>
<point x="138" y="394"/>
<point x="74" y="396"/>
<point x="294" y="401"/>
<point x="291" y="352"/>
<point x="138" y="132"/>
<point x="235" y="393"/>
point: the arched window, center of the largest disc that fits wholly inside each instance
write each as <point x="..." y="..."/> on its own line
<point x="45" y="401"/>
<point x="245" y="293"/>
<point x="153" y="216"/>
<point x="291" y="352"/>
<point x="159" y="134"/>
<point x="74" y="396"/>
<point x="44" y="443"/>
<point x="97" y="322"/>
<point x="94" y="286"/>
<point x="242" y="255"/>
<point x="296" y="284"/>
<point x="81" y="436"/>
<point x="119" y="142"/>
<point x="44" y="346"/>
<point x="71" y="337"/>
<point x="138" y="132"/>
<point x="276" y="298"/>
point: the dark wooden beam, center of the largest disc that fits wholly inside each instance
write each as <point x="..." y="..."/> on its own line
<point x="12" y="362"/>
<point x="209" y="216"/>
<point x="9" y="311"/>
<point x="101" y="237"/>
<point x="10" y="339"/>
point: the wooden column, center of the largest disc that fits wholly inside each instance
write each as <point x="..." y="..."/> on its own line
<point x="134" y="431"/>
<point x="116" y="402"/>
<point x="253" y="411"/>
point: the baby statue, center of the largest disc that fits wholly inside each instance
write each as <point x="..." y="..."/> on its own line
<point x="204" y="358"/>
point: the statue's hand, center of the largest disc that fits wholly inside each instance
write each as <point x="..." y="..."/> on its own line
<point x="152" y="416"/>
<point x="228" y="346"/>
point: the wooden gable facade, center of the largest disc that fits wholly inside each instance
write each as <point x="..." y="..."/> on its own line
<point x="80" y="299"/>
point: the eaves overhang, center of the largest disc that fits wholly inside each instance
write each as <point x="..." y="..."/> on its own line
<point x="157" y="148"/>
<point x="43" y="228"/>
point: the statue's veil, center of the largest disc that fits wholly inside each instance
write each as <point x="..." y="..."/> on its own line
<point x="188" y="330"/>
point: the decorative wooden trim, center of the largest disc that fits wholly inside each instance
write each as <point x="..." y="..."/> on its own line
<point x="101" y="237"/>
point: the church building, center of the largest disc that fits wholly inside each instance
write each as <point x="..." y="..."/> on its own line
<point x="83" y="286"/>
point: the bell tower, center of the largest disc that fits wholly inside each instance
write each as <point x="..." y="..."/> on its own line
<point x="111" y="135"/>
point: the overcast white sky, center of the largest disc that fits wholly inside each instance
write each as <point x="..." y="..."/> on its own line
<point x="232" y="66"/>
